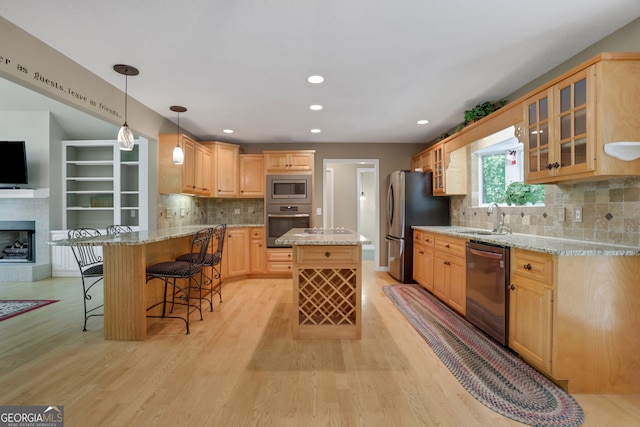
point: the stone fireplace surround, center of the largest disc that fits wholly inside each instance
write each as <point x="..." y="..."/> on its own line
<point x="26" y="208"/>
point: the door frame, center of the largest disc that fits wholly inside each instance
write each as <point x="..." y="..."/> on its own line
<point x="376" y="170"/>
<point x="359" y="172"/>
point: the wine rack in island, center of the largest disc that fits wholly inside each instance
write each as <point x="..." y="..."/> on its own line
<point x="327" y="292"/>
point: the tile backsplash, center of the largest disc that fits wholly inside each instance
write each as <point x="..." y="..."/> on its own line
<point x="610" y="212"/>
<point x="175" y="210"/>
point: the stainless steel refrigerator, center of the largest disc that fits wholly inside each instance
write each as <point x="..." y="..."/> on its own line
<point x="410" y="201"/>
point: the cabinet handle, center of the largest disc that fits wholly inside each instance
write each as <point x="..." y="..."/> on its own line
<point x="527" y="266"/>
<point x="427" y="240"/>
<point x="447" y="263"/>
<point x="512" y="287"/>
<point x="549" y="166"/>
<point x="327" y="254"/>
<point x="421" y="252"/>
<point x="446" y="246"/>
<point x="556" y="165"/>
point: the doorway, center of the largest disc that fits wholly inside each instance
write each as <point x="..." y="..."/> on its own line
<point x="351" y="199"/>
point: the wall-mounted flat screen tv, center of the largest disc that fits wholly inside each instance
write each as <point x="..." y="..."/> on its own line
<point x="13" y="163"/>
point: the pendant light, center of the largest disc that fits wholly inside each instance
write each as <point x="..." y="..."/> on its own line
<point x="178" y="154"/>
<point x="125" y="136"/>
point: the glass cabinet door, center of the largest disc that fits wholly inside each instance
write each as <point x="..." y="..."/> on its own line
<point x="538" y="160"/>
<point x="573" y="145"/>
<point x="438" y="169"/>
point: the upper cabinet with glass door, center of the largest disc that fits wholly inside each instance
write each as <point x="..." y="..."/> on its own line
<point x="568" y="121"/>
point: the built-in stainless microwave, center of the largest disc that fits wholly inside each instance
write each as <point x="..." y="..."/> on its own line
<point x="295" y="189"/>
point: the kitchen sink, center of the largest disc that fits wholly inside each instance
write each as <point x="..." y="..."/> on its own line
<point x="477" y="232"/>
<point x="483" y="232"/>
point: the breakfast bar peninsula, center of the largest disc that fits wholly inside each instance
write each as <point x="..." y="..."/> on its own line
<point x="125" y="259"/>
<point x="327" y="282"/>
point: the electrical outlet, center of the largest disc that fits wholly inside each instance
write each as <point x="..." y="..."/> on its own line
<point x="236" y="211"/>
<point x="578" y="215"/>
<point x="561" y="215"/>
<point x="182" y="213"/>
<point x="133" y="213"/>
<point x="168" y="213"/>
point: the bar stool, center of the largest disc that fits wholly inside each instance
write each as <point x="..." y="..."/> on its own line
<point x="116" y="229"/>
<point x="191" y="271"/>
<point x="91" y="270"/>
<point x="214" y="261"/>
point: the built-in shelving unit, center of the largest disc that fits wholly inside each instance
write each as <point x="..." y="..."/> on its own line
<point x="103" y="185"/>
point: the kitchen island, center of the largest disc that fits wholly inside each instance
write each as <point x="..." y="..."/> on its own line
<point x="125" y="258"/>
<point x="327" y="282"/>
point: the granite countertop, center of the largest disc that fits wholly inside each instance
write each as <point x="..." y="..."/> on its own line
<point x="549" y="245"/>
<point x="322" y="236"/>
<point x="142" y="237"/>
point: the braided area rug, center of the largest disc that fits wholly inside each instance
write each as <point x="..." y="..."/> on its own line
<point x="489" y="372"/>
<point x="12" y="308"/>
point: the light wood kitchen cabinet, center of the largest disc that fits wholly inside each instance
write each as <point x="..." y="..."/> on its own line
<point x="226" y="169"/>
<point x="280" y="261"/>
<point x="257" y="253"/>
<point x="437" y="165"/>
<point x="252" y="176"/>
<point x="531" y="307"/>
<point x="236" y="247"/>
<point x="570" y="120"/>
<point x="449" y="280"/>
<point x="572" y="317"/>
<point x="199" y="175"/>
<point x="449" y="169"/>
<point x="193" y="176"/>
<point x="423" y="258"/>
<point x="300" y="161"/>
<point x="422" y="161"/>
<point x="189" y="166"/>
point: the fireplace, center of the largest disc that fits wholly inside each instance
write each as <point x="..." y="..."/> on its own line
<point x="17" y="241"/>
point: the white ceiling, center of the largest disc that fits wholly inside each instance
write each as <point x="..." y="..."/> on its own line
<point x="243" y="64"/>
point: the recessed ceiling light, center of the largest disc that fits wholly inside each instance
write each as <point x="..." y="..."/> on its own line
<point x="423" y="122"/>
<point x="316" y="107"/>
<point x="315" y="79"/>
<point x="228" y="131"/>
<point x="315" y="130"/>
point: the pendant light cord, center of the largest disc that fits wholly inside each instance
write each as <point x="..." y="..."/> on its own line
<point x="126" y="91"/>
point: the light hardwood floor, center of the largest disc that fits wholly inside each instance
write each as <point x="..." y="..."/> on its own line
<point x="240" y="367"/>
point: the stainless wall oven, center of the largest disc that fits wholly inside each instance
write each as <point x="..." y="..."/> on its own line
<point x="283" y="217"/>
<point x="288" y="189"/>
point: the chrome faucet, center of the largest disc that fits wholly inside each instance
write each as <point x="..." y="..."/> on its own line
<point x="500" y="227"/>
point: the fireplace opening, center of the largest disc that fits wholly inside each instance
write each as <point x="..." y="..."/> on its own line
<point x="17" y="241"/>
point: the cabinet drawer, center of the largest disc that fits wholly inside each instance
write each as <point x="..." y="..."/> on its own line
<point x="423" y="238"/>
<point x="451" y="245"/>
<point x="280" y="255"/>
<point x="326" y="254"/>
<point x="279" y="267"/>
<point x="533" y="265"/>
<point x="257" y="233"/>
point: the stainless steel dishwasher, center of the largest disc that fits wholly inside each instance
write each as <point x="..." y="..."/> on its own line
<point x="487" y="289"/>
